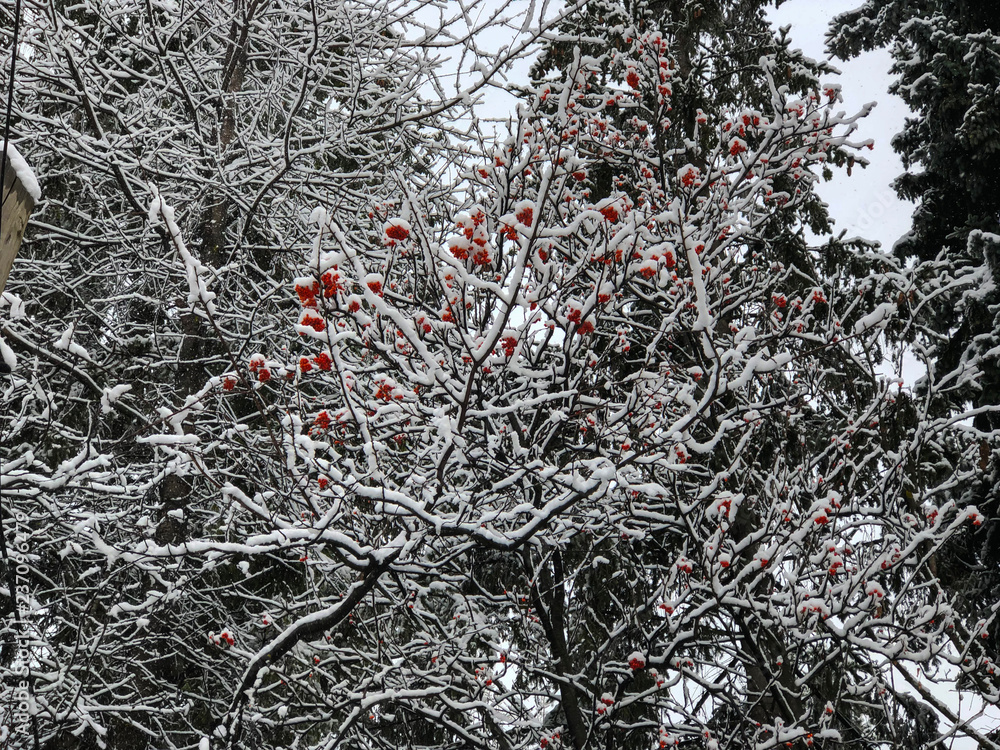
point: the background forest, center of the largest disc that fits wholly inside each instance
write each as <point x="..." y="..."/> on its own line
<point x="342" y="417"/>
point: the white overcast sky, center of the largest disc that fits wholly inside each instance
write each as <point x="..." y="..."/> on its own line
<point x="865" y="204"/>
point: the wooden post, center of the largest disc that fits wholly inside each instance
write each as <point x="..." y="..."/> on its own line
<point x="17" y="205"/>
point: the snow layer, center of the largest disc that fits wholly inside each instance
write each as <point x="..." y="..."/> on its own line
<point x="24" y="172"/>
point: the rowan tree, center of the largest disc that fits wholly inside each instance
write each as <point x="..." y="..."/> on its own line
<point x="712" y="73"/>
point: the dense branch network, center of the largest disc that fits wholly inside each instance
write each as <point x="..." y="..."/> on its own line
<point x="361" y="431"/>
